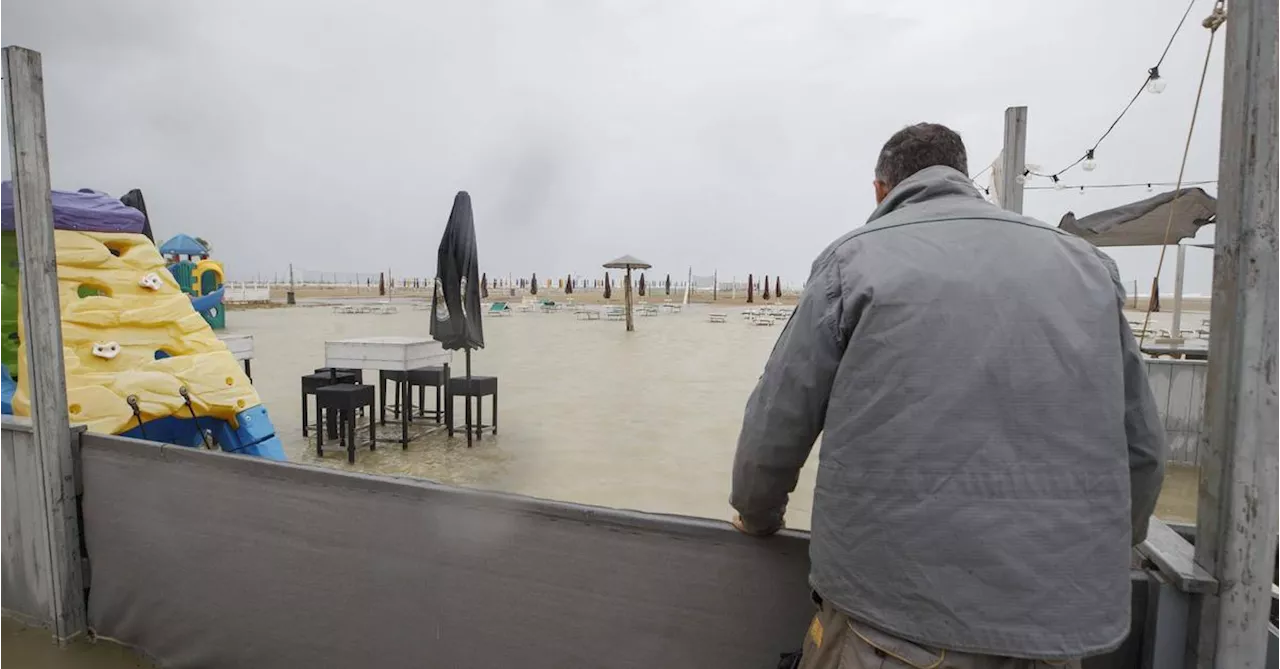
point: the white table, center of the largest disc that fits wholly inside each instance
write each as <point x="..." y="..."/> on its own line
<point x="241" y="348"/>
<point x="390" y="354"/>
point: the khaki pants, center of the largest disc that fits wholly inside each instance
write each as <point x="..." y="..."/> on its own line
<point x="835" y="641"/>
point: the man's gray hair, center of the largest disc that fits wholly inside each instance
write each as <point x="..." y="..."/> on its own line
<point x="916" y="147"/>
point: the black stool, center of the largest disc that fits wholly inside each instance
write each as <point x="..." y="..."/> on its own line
<point x="313" y="382"/>
<point x="358" y="373"/>
<point x="345" y="400"/>
<point x="467" y="388"/>
<point x="436" y="377"/>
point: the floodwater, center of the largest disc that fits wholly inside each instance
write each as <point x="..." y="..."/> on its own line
<point x="31" y="647"/>
<point x="587" y="412"/>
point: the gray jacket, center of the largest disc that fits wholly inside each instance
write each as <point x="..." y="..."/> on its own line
<point x="991" y="448"/>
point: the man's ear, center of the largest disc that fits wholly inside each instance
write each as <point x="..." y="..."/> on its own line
<point x="882" y="190"/>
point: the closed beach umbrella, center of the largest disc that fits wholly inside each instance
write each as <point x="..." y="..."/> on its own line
<point x="777" y="287"/>
<point x="484" y="286"/>
<point x="608" y="291"/>
<point x="668" y="285"/>
<point x="134" y="199"/>
<point x="568" y="285"/>
<point x="641" y="286"/>
<point x="455" y="299"/>
<point x="751" y="288"/>
<point x="628" y="263"/>
<point x="765" y="295"/>
<point x="533" y="285"/>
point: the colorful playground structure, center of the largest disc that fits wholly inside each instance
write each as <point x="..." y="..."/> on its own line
<point x="141" y="356"/>
<point x="197" y="276"/>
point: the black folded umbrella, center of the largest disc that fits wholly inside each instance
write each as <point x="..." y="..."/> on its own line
<point x="134" y="199"/>
<point x="455" y="300"/>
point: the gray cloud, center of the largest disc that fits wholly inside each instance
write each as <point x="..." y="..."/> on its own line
<point x="730" y="135"/>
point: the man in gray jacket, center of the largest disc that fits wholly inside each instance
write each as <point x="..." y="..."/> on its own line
<point x="991" y="449"/>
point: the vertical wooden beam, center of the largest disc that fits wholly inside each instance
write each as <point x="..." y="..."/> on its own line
<point x="43" y="367"/>
<point x="1014" y="158"/>
<point x="1236" y="516"/>
<point x="1179" y="273"/>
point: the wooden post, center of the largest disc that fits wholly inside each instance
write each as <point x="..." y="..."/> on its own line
<point x="1175" y="332"/>
<point x="43" y="367"/>
<point x="1236" y="516"/>
<point x="1014" y="158"/>
<point x="626" y="291"/>
<point x="289" y="296"/>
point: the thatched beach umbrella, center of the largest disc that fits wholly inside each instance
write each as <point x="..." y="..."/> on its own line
<point x="628" y="263"/>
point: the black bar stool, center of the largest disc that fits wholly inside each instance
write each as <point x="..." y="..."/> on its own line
<point x="436" y="377"/>
<point x="344" y="401"/>
<point x="477" y="387"/>
<point x="358" y="373"/>
<point x="313" y="382"/>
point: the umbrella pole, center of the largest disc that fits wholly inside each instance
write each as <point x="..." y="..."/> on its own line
<point x="631" y="326"/>
<point x="467" y="398"/>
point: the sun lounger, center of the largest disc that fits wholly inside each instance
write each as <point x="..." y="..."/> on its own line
<point x="499" y="309"/>
<point x="717" y="318"/>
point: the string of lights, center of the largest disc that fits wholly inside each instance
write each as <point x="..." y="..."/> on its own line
<point x="1153" y="83"/>
<point x="1081" y="188"/>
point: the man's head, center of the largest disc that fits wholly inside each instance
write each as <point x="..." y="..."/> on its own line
<point x="914" y="148"/>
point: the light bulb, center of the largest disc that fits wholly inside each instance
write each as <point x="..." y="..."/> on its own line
<point x="1057" y="183"/>
<point x="1021" y="178"/>
<point x="1149" y="188"/>
<point x="1031" y="167"/>
<point x="1089" y="163"/>
<point x="1082" y="190"/>
<point x="1155" y="84"/>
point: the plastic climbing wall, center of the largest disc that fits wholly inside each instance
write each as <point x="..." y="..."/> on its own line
<point x="139" y="360"/>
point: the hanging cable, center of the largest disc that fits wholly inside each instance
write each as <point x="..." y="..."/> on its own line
<point x="137" y="414"/>
<point x="186" y="397"/>
<point x="1153" y="76"/>
<point x="1212" y="23"/>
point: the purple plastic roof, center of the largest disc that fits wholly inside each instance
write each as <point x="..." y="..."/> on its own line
<point x="88" y="212"/>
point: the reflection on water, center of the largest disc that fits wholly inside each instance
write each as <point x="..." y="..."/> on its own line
<point x="588" y="412"/>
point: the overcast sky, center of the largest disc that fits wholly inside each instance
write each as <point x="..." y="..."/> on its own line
<point x="737" y="135"/>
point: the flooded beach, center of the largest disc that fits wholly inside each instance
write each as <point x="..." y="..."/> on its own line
<point x="588" y="413"/>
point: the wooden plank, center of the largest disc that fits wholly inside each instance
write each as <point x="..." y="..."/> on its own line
<point x="1013" y="159"/>
<point x="42" y="325"/>
<point x="1196" y="417"/>
<point x="1174" y="557"/>
<point x="1181" y="431"/>
<point x="1236" y="533"/>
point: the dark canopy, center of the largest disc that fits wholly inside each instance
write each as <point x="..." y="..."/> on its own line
<point x="1144" y="223"/>
<point x="455" y="300"/>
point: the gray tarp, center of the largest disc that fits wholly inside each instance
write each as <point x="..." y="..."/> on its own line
<point x="210" y="560"/>
<point x="1145" y="222"/>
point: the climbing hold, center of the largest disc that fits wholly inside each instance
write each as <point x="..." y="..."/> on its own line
<point x="106" y="349"/>
<point x="150" y="281"/>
